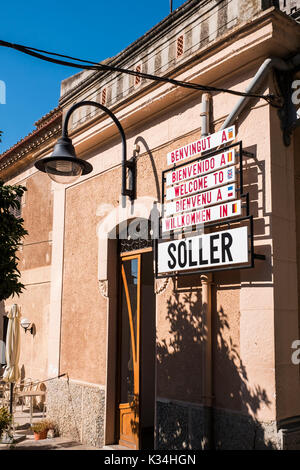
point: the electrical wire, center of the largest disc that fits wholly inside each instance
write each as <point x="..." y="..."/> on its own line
<point x="90" y="65"/>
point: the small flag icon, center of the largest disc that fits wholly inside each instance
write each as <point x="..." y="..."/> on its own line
<point x="230" y="191"/>
<point x="229" y="157"/>
<point x="230" y="173"/>
<point x="234" y="208"/>
<point x="230" y="133"/>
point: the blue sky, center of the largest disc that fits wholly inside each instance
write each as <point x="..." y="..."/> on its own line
<point x="91" y="30"/>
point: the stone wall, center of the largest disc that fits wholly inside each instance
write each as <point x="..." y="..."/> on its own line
<point x="182" y="425"/>
<point x="78" y="410"/>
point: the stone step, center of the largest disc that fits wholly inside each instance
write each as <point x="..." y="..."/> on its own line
<point x="115" y="447"/>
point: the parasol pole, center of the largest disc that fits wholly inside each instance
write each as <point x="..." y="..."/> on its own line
<point x="11" y="398"/>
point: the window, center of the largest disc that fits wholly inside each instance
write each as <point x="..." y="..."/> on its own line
<point x="103" y="96"/>
<point x="179" y="46"/>
<point x="138" y="79"/>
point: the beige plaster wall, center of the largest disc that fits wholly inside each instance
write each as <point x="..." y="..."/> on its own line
<point x="35" y="265"/>
<point x="83" y="321"/>
<point x="238" y="344"/>
<point x="227" y="364"/>
<point x="243" y="323"/>
<point x="243" y="361"/>
<point x="285" y="212"/>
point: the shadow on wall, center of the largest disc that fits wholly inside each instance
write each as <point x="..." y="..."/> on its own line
<point x="181" y="425"/>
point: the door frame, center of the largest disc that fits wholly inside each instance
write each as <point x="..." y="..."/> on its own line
<point x="128" y="255"/>
<point x="123" y="408"/>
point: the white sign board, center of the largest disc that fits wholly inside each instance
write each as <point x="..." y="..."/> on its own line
<point x="201" y="167"/>
<point x="202" y="145"/>
<point x="209" y="214"/>
<point x="202" y="183"/>
<point x="228" y="247"/>
<point x="204" y="199"/>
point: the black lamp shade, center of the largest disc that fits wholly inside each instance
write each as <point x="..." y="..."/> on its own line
<point x="63" y="166"/>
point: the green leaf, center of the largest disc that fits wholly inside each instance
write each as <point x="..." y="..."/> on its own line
<point x="12" y="233"/>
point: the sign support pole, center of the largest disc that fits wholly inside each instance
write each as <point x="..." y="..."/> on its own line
<point x="206" y="356"/>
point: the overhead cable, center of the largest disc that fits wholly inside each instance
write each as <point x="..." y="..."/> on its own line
<point x="104" y="67"/>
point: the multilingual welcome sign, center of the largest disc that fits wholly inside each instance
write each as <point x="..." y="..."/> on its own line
<point x="203" y="192"/>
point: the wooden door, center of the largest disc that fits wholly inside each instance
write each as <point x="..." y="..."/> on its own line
<point x="129" y="402"/>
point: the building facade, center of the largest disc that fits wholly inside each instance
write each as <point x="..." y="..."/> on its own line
<point x="181" y="362"/>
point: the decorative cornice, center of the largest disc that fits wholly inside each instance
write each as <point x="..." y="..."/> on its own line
<point x="159" y="287"/>
<point x="121" y="93"/>
<point x="103" y="288"/>
<point x="47" y="129"/>
<point x="48" y="118"/>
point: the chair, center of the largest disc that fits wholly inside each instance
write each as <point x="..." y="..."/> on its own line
<point x="40" y="386"/>
<point x="24" y="386"/>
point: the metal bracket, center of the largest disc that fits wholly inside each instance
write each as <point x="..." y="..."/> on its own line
<point x="130" y="165"/>
<point x="248" y="154"/>
<point x="257" y="256"/>
<point x="287" y="112"/>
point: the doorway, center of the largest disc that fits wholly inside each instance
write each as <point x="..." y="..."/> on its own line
<point x="136" y="350"/>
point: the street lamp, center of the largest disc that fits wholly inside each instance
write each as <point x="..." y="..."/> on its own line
<point x="64" y="167"/>
<point x="27" y="325"/>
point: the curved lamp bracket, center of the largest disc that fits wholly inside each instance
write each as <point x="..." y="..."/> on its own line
<point x="130" y="165"/>
<point x="64" y="154"/>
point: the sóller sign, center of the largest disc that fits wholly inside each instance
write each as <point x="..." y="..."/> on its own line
<point x="201" y="167"/>
<point x="201" y="145"/>
<point x="209" y="214"/>
<point x="202" y="183"/>
<point x="197" y="201"/>
<point x="228" y="247"/>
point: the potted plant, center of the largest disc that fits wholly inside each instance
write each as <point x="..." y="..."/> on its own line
<point x="5" y="421"/>
<point x="41" y="428"/>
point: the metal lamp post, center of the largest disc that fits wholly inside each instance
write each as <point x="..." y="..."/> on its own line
<point x="64" y="167"/>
